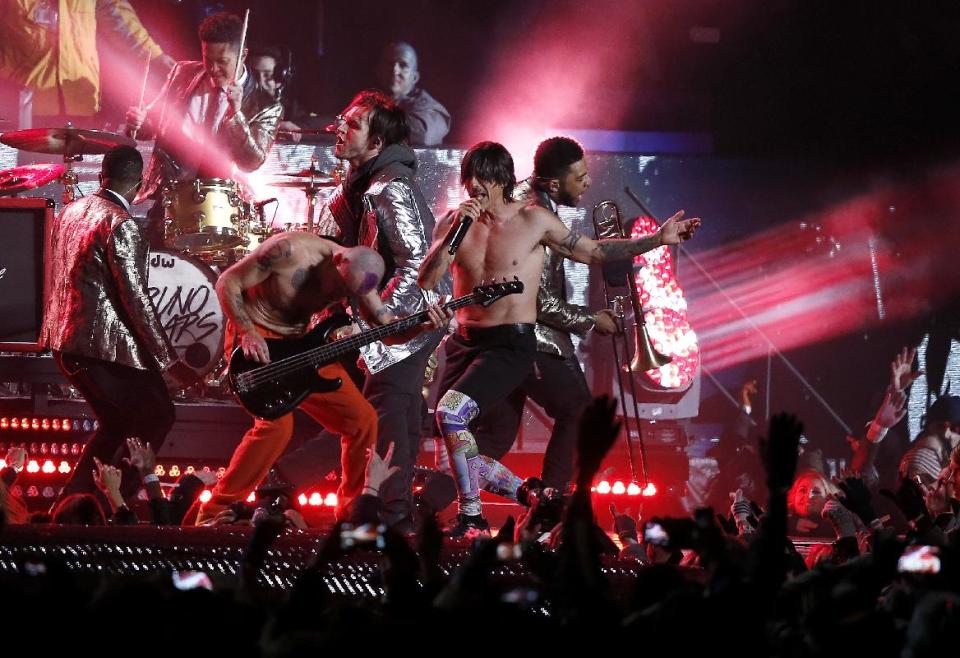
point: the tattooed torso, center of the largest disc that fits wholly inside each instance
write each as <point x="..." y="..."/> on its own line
<point x="498" y="248"/>
<point x="303" y="281"/>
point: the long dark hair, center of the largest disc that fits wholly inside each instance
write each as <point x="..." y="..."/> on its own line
<point x="492" y="163"/>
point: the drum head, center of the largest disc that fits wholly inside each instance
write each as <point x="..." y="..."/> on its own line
<point x="182" y="290"/>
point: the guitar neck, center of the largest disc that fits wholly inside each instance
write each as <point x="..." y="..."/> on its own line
<point x="338" y="348"/>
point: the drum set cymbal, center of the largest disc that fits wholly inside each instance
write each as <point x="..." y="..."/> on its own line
<point x="65" y="141"/>
<point x="304" y="183"/>
<point x="72" y="143"/>
<point x="28" y="177"/>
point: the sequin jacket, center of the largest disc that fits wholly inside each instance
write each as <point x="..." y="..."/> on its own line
<point x="99" y="305"/>
<point x="247" y="134"/>
<point x="398" y="223"/>
<point x="557" y="318"/>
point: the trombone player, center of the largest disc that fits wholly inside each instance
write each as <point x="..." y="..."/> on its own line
<point x="557" y="384"/>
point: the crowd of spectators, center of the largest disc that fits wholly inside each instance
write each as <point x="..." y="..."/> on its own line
<point x="726" y="581"/>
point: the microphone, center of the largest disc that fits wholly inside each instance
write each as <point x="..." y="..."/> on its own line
<point x="458" y="233"/>
<point x="259" y="208"/>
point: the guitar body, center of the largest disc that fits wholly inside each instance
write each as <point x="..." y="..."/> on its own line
<point x="273" y="389"/>
<point x="275" y="394"/>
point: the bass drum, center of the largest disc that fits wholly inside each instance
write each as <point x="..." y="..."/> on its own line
<point x="182" y="290"/>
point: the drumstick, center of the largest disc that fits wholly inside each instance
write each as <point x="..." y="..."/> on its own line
<point x="143" y="91"/>
<point x="243" y="42"/>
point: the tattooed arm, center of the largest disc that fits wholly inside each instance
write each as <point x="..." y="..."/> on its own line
<point x="438" y="259"/>
<point x="252" y="270"/>
<point x="580" y="248"/>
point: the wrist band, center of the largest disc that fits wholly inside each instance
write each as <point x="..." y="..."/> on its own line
<point x="150" y="477"/>
<point x="376" y="492"/>
<point x="876" y="432"/>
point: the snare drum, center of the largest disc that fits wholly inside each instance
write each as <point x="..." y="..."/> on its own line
<point x="182" y="290"/>
<point x="204" y="215"/>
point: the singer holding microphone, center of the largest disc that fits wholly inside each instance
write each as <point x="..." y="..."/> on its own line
<point x="209" y="120"/>
<point x="491" y="237"/>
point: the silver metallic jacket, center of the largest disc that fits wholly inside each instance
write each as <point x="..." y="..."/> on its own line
<point x="99" y="306"/>
<point x="556" y="317"/>
<point x="399" y="225"/>
<point x="247" y="139"/>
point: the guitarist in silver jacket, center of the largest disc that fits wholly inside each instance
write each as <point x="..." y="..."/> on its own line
<point x="380" y="205"/>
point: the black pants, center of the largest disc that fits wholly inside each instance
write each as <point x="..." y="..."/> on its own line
<point x="397" y="395"/>
<point x="127" y="402"/>
<point x="557" y="385"/>
<point x="489" y="363"/>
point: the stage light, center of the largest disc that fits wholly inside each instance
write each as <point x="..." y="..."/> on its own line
<point x="665" y="313"/>
<point x="35" y="423"/>
<point x="633" y="489"/>
<point x="33" y="466"/>
<point x="330" y="500"/>
<point x="315" y="500"/>
<point x="159" y="470"/>
<point x="650" y="490"/>
<point x="64" y="467"/>
<point x="3" y="463"/>
<point x="603" y="488"/>
<point x="45" y="423"/>
<point x="48" y="467"/>
<point x="175" y="471"/>
<point x="55" y="423"/>
<point x="205" y="496"/>
<point x="619" y="488"/>
<point x="252" y="498"/>
<point x="302" y="499"/>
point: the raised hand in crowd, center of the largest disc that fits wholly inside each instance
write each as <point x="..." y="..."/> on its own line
<point x="141" y="456"/>
<point x="16" y="458"/>
<point x="857" y="498"/>
<point x="891" y="411"/>
<point x="902" y="373"/>
<point x="107" y="478"/>
<point x="378" y="471"/>
<point x="741" y="512"/>
<point x="599" y="430"/>
<point x="779" y="451"/>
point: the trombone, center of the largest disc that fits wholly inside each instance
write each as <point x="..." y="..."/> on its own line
<point x="607" y="223"/>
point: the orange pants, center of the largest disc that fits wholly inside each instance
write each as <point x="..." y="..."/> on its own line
<point x="344" y="411"/>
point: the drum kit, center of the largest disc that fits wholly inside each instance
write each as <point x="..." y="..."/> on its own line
<point x="208" y="225"/>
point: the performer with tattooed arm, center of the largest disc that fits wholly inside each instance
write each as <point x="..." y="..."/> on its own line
<point x="273" y="293"/>
<point x="494" y="347"/>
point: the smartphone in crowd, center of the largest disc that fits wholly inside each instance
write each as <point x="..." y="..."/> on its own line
<point x="368" y="536"/>
<point x="919" y="559"/>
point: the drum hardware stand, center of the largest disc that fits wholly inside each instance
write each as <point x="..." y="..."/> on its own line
<point x="312" y="190"/>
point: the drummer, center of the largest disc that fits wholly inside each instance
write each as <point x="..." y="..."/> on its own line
<point x="207" y="121"/>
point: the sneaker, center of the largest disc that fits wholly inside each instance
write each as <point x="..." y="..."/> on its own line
<point x="469" y="527"/>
